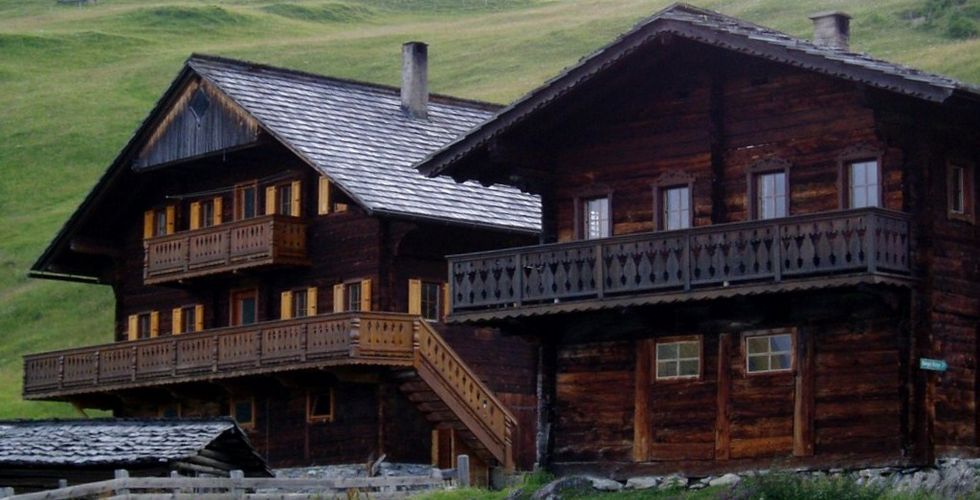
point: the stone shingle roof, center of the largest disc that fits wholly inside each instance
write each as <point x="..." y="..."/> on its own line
<point x="357" y="135"/>
<point x="107" y="441"/>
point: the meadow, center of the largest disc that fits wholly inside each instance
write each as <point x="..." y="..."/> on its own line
<point x="76" y="80"/>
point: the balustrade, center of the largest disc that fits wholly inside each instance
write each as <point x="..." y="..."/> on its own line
<point x="869" y="240"/>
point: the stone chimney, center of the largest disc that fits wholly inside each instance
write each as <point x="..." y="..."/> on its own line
<point x="832" y="29"/>
<point x="415" y="79"/>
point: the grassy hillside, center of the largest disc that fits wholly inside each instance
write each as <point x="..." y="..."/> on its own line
<point x="76" y="81"/>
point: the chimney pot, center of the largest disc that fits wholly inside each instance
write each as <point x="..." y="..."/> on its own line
<point x="415" y="76"/>
<point x="832" y="29"/>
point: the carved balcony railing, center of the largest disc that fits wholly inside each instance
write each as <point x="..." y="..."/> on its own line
<point x="869" y="242"/>
<point x="371" y="338"/>
<point x="259" y="241"/>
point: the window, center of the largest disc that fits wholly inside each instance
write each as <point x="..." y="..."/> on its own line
<point x="353" y="291"/>
<point x="159" y="222"/>
<point x="676" y="208"/>
<point x="771" y="195"/>
<point x="863" y="184"/>
<point x="352" y="296"/>
<point x="188" y="319"/>
<point x="245" y="201"/>
<point x="207" y="213"/>
<point x="595" y="218"/>
<point x="320" y="405"/>
<point x="243" y="411"/>
<point x="143" y="325"/>
<point x="285" y="198"/>
<point x="960" y="191"/>
<point x="769" y="353"/>
<point x="680" y="359"/>
<point x="298" y="303"/>
<point x="327" y="198"/>
<point x="244" y="307"/>
<point x="431" y="293"/>
<point x="171" y="410"/>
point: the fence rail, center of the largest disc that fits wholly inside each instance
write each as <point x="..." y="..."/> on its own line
<point x="869" y="240"/>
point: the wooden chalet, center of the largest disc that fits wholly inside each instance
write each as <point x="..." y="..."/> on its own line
<point x="755" y="250"/>
<point x="276" y="257"/>
<point x="38" y="454"/>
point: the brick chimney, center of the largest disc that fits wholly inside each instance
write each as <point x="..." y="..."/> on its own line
<point x="415" y="79"/>
<point x="832" y="29"/>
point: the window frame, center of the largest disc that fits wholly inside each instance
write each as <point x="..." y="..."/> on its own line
<point x="858" y="154"/>
<point x="233" y="405"/>
<point x="754" y="173"/>
<point x="791" y="332"/>
<point x="667" y="181"/>
<point x="238" y="199"/>
<point x="967" y="193"/>
<point x="655" y="360"/>
<point x="315" y="419"/>
<point x="581" y="199"/>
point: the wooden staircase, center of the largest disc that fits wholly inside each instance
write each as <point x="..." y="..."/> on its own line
<point x="452" y="396"/>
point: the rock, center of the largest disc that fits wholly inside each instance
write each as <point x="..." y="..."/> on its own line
<point x="726" y="480"/>
<point x="515" y="494"/>
<point x="673" y="481"/>
<point x="603" y="484"/>
<point x="643" y="482"/>
<point x="552" y="490"/>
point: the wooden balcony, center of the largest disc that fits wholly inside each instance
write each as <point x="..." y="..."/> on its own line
<point x="269" y="240"/>
<point x="810" y="251"/>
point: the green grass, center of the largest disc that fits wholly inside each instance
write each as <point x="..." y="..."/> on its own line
<point x="76" y="81"/>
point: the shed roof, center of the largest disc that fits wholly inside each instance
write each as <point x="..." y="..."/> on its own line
<point x="715" y="29"/>
<point x="119" y="442"/>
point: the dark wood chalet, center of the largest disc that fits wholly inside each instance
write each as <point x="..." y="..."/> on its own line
<point x="276" y="257"/>
<point x="753" y="245"/>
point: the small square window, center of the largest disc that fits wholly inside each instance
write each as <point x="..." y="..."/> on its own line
<point x="769" y="353"/>
<point x="320" y="405"/>
<point x="678" y="359"/>
<point x="243" y="411"/>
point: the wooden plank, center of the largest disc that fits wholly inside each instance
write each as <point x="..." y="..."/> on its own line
<point x="723" y="424"/>
<point x="803" y="404"/>
<point x="641" y="412"/>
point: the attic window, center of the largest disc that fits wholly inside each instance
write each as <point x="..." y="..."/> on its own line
<point x="199" y="104"/>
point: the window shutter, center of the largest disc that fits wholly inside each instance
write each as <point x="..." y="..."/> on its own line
<point x="195" y="215"/>
<point x="366" y="295"/>
<point x="311" y="301"/>
<point x="415" y="297"/>
<point x="270" y="200"/>
<point x="217" y="210"/>
<point x="133" y="327"/>
<point x="296" y="191"/>
<point x="286" y="305"/>
<point x="445" y="300"/>
<point x="177" y="318"/>
<point x="338" y="298"/>
<point x="323" y="196"/>
<point x="171" y="218"/>
<point x="147" y="224"/>
<point x="154" y="324"/>
<point x="198" y="317"/>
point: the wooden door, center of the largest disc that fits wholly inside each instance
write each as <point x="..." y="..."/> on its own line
<point x="244" y="307"/>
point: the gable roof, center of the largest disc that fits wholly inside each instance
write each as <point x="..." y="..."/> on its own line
<point x="715" y="29"/>
<point x="105" y="442"/>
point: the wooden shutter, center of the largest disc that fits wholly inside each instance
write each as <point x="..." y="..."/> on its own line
<point x="323" y="196"/>
<point x="296" y="191"/>
<point x="338" y="298"/>
<point x="178" y="320"/>
<point x="270" y="200"/>
<point x="286" y="305"/>
<point x="154" y="324"/>
<point x="311" y="301"/>
<point x="134" y="321"/>
<point x="445" y="300"/>
<point x="217" y="210"/>
<point x="148" y="224"/>
<point x="365" y="295"/>
<point x="198" y="317"/>
<point x="195" y="215"/>
<point x="415" y="297"/>
<point x="171" y="219"/>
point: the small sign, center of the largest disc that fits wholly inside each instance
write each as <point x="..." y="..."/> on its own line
<point x="935" y="365"/>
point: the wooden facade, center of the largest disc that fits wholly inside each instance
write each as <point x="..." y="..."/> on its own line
<point x="697" y="314"/>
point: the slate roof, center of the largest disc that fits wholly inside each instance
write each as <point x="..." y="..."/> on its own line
<point x="713" y="28"/>
<point x="107" y="441"/>
<point x="358" y="135"/>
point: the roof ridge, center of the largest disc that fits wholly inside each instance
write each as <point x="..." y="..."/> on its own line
<point x="440" y="98"/>
<point x="102" y="420"/>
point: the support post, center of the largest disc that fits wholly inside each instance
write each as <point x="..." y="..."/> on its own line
<point x="463" y="471"/>
<point x="62" y="483"/>
<point x="121" y="475"/>
<point x="641" y="408"/>
<point x="6" y="491"/>
<point x="237" y="491"/>
<point x="804" y="399"/>
<point x="722" y="422"/>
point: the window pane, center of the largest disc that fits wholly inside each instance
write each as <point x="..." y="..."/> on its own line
<point x="689" y="349"/>
<point x="758" y="363"/>
<point x="689" y="367"/>
<point x="677" y="208"/>
<point x="781" y="343"/>
<point x="354" y="297"/>
<point x="430" y="300"/>
<point x="285" y="195"/>
<point x="161" y="223"/>
<point x="207" y="214"/>
<point x="666" y="369"/>
<point x="243" y="411"/>
<point x="248" y="202"/>
<point x="299" y="303"/>
<point x="188" y="317"/>
<point x="780" y="362"/>
<point x="596" y="218"/>
<point x="863" y="184"/>
<point x="758" y="345"/>
<point x="771" y="195"/>
<point x="667" y="351"/>
<point x="248" y="310"/>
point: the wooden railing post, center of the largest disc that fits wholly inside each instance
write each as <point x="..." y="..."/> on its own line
<point x="121" y="475"/>
<point x="214" y="353"/>
<point x="98" y="366"/>
<point x="187" y="253"/>
<point x="519" y="279"/>
<point x="871" y="245"/>
<point x="355" y="337"/>
<point x="133" y="362"/>
<point x="258" y="347"/>
<point x="599" y="272"/>
<point x="61" y="371"/>
<point x="686" y="264"/>
<point x="777" y="253"/>
<point x="463" y="471"/>
<point x="237" y="489"/>
<point x="304" y="340"/>
<point x="173" y="357"/>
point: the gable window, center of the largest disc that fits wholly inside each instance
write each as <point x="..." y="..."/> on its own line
<point x="298" y="303"/>
<point x="960" y="191"/>
<point x="678" y="359"/>
<point x="245" y="201"/>
<point x="676" y="208"/>
<point x="320" y="405"/>
<point x="143" y="325"/>
<point x="771" y="195"/>
<point x="352" y="296"/>
<point x="769" y="353"/>
<point x="243" y="411"/>
<point x="244" y="307"/>
<point x="595" y="218"/>
<point x="863" y="184"/>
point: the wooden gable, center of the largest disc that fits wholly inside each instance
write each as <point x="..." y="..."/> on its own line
<point x="201" y="121"/>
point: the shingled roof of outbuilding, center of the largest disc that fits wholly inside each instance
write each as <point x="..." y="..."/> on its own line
<point x="112" y="441"/>
<point x="358" y="135"/>
<point x="715" y="29"/>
